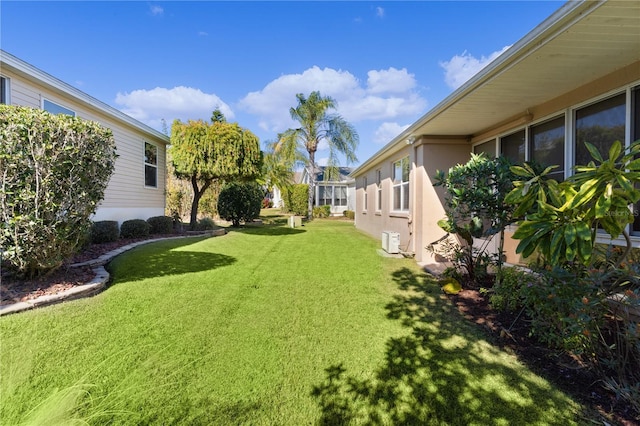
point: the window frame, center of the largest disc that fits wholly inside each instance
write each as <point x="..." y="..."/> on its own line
<point x="5" y="90"/>
<point x="366" y="195"/>
<point x="378" y="190"/>
<point x="61" y="108"/>
<point x="147" y="165"/>
<point x="402" y="185"/>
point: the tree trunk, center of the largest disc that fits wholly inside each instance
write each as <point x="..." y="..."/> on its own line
<point x="197" y="195"/>
<point x="312" y="184"/>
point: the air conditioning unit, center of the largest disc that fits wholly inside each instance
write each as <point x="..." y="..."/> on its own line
<point x="391" y="242"/>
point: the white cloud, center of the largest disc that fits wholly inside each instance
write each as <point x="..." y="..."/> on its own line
<point x="387" y="94"/>
<point x="184" y="103"/>
<point x="461" y="68"/>
<point x="390" y="81"/>
<point x="379" y="12"/>
<point x="387" y="131"/>
<point x="203" y="33"/>
<point x="156" y="10"/>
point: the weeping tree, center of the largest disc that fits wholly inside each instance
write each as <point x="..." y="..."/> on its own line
<point x="204" y="153"/>
<point x="317" y="124"/>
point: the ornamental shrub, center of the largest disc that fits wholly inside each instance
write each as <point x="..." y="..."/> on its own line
<point x="105" y="231"/>
<point x="205" y="224"/>
<point x="160" y="225"/>
<point x="54" y="170"/>
<point x="322" y="211"/>
<point x="296" y="199"/>
<point x="135" y="228"/>
<point x="349" y="214"/>
<point x="240" y="202"/>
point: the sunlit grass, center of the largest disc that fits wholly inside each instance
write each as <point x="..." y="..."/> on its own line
<point x="265" y="326"/>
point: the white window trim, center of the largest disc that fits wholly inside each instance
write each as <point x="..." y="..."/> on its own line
<point x="401" y="211"/>
<point x="366" y="195"/>
<point x="378" y="197"/>
<point x="7" y="89"/>
<point x="145" y="164"/>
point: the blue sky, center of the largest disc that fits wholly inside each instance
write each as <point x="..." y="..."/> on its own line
<point x="385" y="63"/>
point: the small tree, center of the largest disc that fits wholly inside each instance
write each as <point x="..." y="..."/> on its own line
<point x="205" y="152"/>
<point x="54" y="170"/>
<point x="240" y="202"/>
<point x="476" y="208"/>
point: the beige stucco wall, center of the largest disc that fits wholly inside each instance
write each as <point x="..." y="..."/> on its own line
<point x="126" y="196"/>
<point x="418" y="226"/>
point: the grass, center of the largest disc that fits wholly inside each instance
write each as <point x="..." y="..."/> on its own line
<point x="265" y="326"/>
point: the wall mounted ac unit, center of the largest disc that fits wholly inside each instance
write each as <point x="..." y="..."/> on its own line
<point x="391" y="242"/>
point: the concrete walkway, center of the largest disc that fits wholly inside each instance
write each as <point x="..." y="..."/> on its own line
<point x="93" y="287"/>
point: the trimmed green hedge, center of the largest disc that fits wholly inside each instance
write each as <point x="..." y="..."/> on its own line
<point x="135" y="228"/>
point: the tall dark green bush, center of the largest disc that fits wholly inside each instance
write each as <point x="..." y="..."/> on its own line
<point x="295" y="199"/>
<point x="105" y="231"/>
<point x="160" y="225"/>
<point x="134" y="228"/>
<point x="54" y="170"/>
<point x="240" y="202"/>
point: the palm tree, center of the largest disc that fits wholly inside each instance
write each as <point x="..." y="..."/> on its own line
<point x="317" y="125"/>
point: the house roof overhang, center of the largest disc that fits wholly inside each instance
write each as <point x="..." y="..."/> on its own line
<point x="579" y="43"/>
<point x="31" y="73"/>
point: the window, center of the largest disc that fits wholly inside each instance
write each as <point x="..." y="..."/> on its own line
<point x="333" y="195"/>
<point x="4" y="91"/>
<point x="489" y="148"/>
<point x="150" y="165"/>
<point x="401" y="185"/>
<point x="512" y="146"/>
<point x="366" y="197"/>
<point x="55" y="108"/>
<point x="378" y="190"/>
<point x="340" y="195"/>
<point x="600" y="124"/>
<point x="547" y="145"/>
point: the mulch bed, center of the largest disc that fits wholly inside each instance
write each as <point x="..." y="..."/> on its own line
<point x="511" y="332"/>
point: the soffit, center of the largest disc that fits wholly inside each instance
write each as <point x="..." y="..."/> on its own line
<point x="600" y="42"/>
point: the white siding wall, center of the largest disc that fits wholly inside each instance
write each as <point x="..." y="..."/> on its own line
<point x="126" y="196"/>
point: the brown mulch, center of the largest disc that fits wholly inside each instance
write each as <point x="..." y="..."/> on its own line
<point x="511" y="332"/>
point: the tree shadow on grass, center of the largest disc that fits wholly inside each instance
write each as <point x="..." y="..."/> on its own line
<point x="267" y="230"/>
<point x="164" y="258"/>
<point x="441" y="372"/>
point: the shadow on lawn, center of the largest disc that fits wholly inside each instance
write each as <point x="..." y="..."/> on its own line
<point x="442" y="372"/>
<point x="267" y="230"/>
<point x="165" y="258"/>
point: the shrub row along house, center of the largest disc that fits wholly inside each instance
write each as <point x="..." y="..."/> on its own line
<point x="137" y="187"/>
<point x="574" y="78"/>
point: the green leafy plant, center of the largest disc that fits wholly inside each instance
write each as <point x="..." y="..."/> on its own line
<point x="134" y="228"/>
<point x="561" y="219"/>
<point x="205" y="224"/>
<point x="54" y="170"/>
<point x="476" y="209"/>
<point x="349" y="214"/>
<point x="160" y="224"/>
<point x="322" y="211"/>
<point x="240" y="202"/>
<point x="104" y="231"/>
<point x="296" y="199"/>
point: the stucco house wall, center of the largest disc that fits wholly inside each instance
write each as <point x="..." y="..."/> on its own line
<point x="584" y="59"/>
<point x="126" y="196"/>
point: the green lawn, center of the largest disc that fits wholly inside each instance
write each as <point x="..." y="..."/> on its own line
<point x="265" y="326"/>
